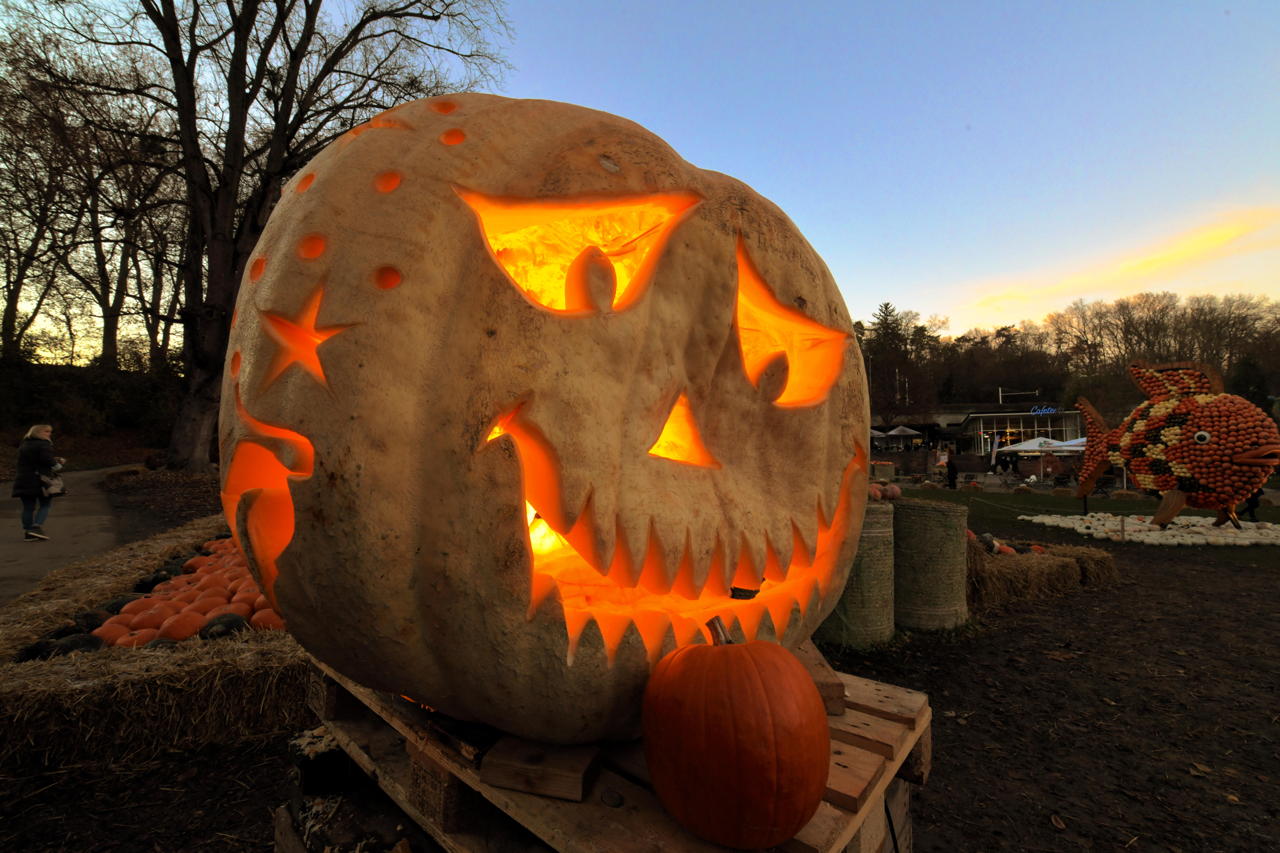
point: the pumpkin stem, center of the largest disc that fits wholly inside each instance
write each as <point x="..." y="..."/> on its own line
<point x="719" y="633"/>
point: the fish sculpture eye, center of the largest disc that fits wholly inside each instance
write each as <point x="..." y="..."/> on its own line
<point x="1202" y="437"/>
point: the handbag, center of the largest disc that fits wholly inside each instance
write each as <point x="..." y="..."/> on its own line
<point x="52" y="487"/>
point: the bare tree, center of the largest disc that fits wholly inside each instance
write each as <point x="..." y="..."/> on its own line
<point x="37" y="208"/>
<point x="255" y="88"/>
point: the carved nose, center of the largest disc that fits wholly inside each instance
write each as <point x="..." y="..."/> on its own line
<point x="680" y="440"/>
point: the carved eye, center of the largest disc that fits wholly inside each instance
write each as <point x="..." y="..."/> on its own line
<point x="767" y="328"/>
<point x="579" y="256"/>
<point x="1202" y="437"/>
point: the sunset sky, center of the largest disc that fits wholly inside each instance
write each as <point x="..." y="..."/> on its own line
<point x="988" y="162"/>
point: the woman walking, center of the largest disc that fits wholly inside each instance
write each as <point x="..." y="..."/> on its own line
<point x="35" y="459"/>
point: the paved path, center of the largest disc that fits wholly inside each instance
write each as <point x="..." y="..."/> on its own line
<point x="79" y="525"/>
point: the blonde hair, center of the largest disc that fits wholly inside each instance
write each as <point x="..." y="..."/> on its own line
<point x="31" y="433"/>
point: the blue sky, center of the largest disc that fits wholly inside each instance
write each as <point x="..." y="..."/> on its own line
<point x="984" y="161"/>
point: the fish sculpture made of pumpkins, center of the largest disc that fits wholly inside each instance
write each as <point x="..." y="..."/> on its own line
<point x="516" y="400"/>
<point x="1187" y="440"/>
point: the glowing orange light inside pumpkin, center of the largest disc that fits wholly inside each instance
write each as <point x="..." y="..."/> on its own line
<point x="767" y="329"/>
<point x="658" y="601"/>
<point x="680" y="439"/>
<point x="537" y="242"/>
<point x="256" y="466"/>
<point x="299" y="339"/>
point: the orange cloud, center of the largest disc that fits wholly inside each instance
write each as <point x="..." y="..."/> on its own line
<point x="1222" y="254"/>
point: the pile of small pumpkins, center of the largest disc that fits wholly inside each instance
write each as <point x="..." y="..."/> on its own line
<point x="992" y="545"/>
<point x="883" y="491"/>
<point x="212" y="586"/>
<point x="209" y="595"/>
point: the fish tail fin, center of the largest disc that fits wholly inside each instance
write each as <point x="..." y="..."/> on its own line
<point x="1095" y="447"/>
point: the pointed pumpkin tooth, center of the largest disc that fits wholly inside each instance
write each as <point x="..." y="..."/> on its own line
<point x="613" y="627"/>
<point x="633" y="538"/>
<point x="624" y="570"/>
<point x="804" y="536"/>
<point x="685" y="584"/>
<point x="717" y="584"/>
<point x="752" y="547"/>
<point x="777" y="562"/>
<point x="575" y="619"/>
<point x="801" y="550"/>
<point x="604" y="529"/>
<point x="749" y="614"/>
<point x="656" y="574"/>
<point x="582" y="536"/>
<point x="749" y="571"/>
<point x="704" y="539"/>
<point x="652" y="626"/>
<point x="780" y="605"/>
<point x="778" y="537"/>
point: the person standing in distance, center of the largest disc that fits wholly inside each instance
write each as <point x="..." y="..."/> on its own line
<point x="35" y="458"/>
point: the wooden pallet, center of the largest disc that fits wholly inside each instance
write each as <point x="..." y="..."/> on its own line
<point x="473" y="789"/>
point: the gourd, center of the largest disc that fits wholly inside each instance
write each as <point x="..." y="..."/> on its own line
<point x="736" y="741"/>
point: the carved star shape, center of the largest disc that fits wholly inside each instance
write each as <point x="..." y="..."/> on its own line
<point x="300" y="339"/>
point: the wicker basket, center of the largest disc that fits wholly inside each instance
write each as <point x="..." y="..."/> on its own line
<point x="864" y="614"/>
<point x="929" y="567"/>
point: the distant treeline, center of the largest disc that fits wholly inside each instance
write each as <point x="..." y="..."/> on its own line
<point x="1080" y="351"/>
<point x="87" y="401"/>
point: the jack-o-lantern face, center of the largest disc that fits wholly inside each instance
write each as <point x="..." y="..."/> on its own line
<point x="517" y="400"/>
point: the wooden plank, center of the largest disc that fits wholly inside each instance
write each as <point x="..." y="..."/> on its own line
<point x="830" y="687"/>
<point x="326" y="697"/>
<point x="854" y="773"/>
<point x="539" y="768"/>
<point x="874" y="734"/>
<point x="818" y="834"/>
<point x="919" y="761"/>
<point x="393" y="777"/>
<point x="884" y="700"/>
<point x="617" y="815"/>
<point x="898" y="798"/>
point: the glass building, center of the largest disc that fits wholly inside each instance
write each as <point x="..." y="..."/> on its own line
<point x="980" y="432"/>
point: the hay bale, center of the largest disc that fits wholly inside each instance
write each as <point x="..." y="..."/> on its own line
<point x="864" y="614"/>
<point x="1060" y="492"/>
<point x="929" y="484"/>
<point x="1129" y="495"/>
<point x="929" y="564"/>
<point x="130" y="704"/>
<point x="1010" y="577"/>
<point x="1097" y="567"/>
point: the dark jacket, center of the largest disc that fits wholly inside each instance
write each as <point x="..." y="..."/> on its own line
<point x="35" y="457"/>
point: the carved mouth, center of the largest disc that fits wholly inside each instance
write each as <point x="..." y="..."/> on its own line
<point x="655" y="598"/>
<point x="1266" y="454"/>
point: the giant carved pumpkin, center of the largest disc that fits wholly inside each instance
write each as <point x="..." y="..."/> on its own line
<point x="516" y="400"/>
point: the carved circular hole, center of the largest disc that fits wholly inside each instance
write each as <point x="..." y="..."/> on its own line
<point x="305" y="184"/>
<point x="386" y="182"/>
<point x="256" y="269"/>
<point x="443" y="107"/>
<point x="387" y="277"/>
<point x="235" y="364"/>
<point x="311" y="247"/>
<point x="452" y="136"/>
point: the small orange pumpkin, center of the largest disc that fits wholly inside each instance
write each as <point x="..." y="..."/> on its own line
<point x="736" y="739"/>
